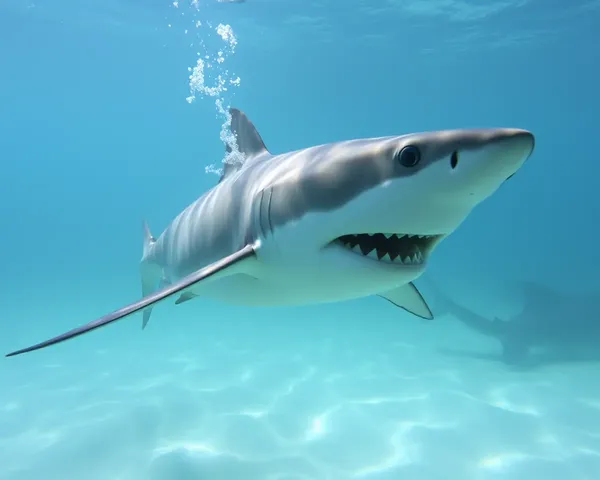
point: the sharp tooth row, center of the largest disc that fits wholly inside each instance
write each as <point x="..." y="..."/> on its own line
<point x="373" y="254"/>
<point x="402" y="235"/>
<point x="414" y="259"/>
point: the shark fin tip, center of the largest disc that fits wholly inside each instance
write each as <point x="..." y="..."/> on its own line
<point x="410" y="299"/>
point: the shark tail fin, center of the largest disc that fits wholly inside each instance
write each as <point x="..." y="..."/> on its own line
<point x="150" y="273"/>
<point x="149" y="240"/>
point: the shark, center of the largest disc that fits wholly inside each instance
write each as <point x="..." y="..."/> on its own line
<point x="328" y="223"/>
<point x="551" y="327"/>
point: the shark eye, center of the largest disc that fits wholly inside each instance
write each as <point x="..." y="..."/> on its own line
<point x="409" y="156"/>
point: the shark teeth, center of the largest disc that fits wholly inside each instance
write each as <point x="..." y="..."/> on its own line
<point x="392" y="248"/>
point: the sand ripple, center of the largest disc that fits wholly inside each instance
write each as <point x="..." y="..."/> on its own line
<point x="329" y="406"/>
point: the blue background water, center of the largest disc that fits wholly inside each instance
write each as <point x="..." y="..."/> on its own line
<point x="96" y="134"/>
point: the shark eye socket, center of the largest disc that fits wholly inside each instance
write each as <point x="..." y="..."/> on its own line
<point x="409" y="156"/>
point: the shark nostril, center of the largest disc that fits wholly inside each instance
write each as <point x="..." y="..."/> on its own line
<point x="454" y="159"/>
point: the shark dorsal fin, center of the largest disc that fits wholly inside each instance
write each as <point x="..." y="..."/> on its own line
<point x="247" y="140"/>
<point x="247" y="137"/>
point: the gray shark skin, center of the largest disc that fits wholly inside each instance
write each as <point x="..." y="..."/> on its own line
<point x="551" y="328"/>
<point x="324" y="224"/>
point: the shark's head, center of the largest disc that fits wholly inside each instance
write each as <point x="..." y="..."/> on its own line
<point x="375" y="208"/>
<point x="385" y="203"/>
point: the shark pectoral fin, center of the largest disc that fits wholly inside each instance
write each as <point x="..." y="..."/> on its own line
<point x="184" y="297"/>
<point x="224" y="267"/>
<point x="410" y="299"/>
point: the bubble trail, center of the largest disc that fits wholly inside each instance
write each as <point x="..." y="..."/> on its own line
<point x="209" y="78"/>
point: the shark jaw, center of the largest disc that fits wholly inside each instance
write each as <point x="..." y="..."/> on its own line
<point x="390" y="248"/>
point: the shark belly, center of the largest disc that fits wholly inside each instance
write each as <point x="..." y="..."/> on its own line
<point x="292" y="287"/>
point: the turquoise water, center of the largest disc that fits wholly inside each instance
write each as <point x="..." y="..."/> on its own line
<point x="101" y="127"/>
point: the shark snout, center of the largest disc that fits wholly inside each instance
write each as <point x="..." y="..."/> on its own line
<point x="482" y="168"/>
<point x="515" y="144"/>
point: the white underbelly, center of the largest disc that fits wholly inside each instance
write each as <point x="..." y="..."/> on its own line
<point x="241" y="289"/>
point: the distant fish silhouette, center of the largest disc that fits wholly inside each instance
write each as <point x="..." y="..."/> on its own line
<point x="552" y="327"/>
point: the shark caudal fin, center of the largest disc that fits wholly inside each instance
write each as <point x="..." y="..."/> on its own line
<point x="150" y="273"/>
<point x="149" y="241"/>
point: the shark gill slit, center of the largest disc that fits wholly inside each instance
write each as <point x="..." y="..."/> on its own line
<point x="269" y="222"/>
<point x="263" y="213"/>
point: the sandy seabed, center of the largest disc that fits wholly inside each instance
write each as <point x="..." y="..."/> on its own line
<point x="333" y="406"/>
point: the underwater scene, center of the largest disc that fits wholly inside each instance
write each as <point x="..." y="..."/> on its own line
<point x="299" y="240"/>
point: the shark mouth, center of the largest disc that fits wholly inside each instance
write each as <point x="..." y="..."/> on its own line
<point x="393" y="248"/>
